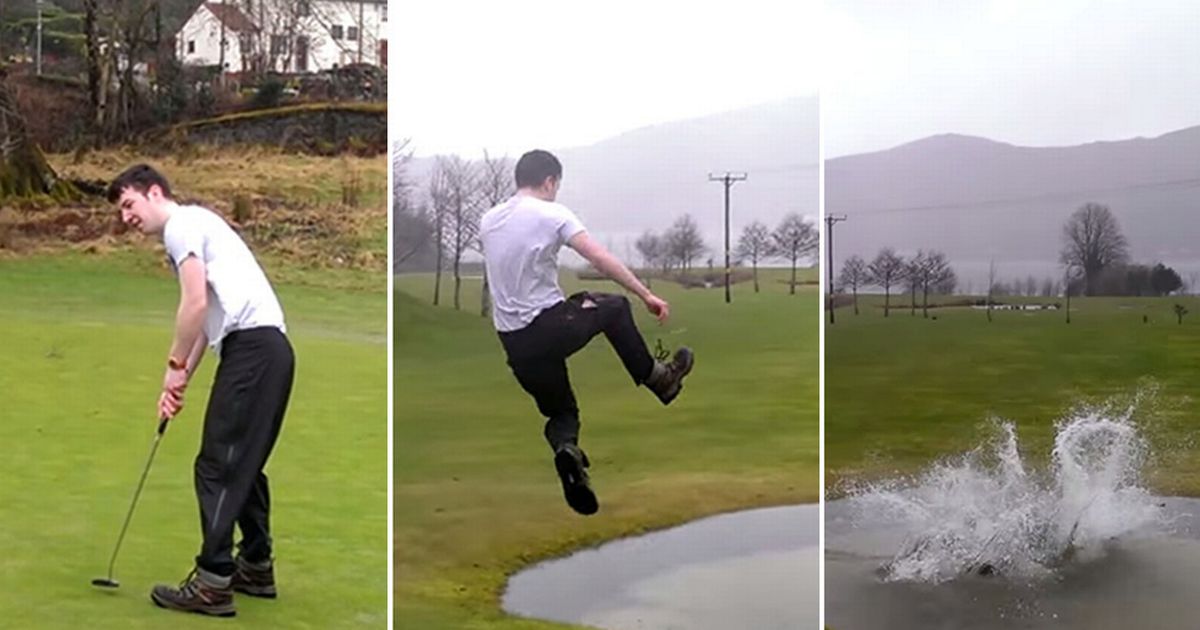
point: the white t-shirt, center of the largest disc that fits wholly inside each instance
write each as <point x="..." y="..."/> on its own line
<point x="239" y="294"/>
<point x="521" y="238"/>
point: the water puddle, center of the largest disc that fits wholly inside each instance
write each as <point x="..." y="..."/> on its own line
<point x="985" y="541"/>
<point x="753" y="569"/>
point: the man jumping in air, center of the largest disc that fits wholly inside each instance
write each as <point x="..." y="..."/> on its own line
<point x="539" y="328"/>
<point x="227" y="302"/>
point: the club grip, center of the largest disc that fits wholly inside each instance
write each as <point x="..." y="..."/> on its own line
<point x="162" y="425"/>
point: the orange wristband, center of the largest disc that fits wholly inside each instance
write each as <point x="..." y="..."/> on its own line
<point x="176" y="364"/>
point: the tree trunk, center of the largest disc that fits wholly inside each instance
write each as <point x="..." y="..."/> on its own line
<point x="855" y="290"/>
<point x="755" y="263"/>
<point x="24" y="171"/>
<point x="887" y="300"/>
<point x="93" y="60"/>
<point x="913" y="311"/>
<point x="793" y="289"/>
<point x="925" y="301"/>
<point x="484" y="297"/>
<point x="437" y="274"/>
<point x="457" y="281"/>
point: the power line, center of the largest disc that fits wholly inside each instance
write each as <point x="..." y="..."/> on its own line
<point x="729" y="180"/>
<point x="830" y="221"/>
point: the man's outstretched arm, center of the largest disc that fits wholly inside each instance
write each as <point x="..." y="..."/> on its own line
<point x="611" y="266"/>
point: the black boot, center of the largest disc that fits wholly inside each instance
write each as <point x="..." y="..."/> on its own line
<point x="254" y="578"/>
<point x="200" y="592"/>
<point x="570" y="461"/>
<point x="666" y="379"/>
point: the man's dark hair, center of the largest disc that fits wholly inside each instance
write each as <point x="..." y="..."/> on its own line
<point x="139" y="177"/>
<point x="534" y="167"/>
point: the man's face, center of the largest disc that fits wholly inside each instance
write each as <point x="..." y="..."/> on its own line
<point x="143" y="211"/>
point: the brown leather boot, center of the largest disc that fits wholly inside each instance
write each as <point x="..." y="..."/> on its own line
<point x="200" y="592"/>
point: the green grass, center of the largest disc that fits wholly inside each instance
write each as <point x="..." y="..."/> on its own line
<point x="83" y="339"/>
<point x="904" y="391"/>
<point x="476" y="495"/>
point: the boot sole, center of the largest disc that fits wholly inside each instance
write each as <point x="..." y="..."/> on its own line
<point x="268" y="592"/>
<point x="219" y="612"/>
<point x="576" y="490"/>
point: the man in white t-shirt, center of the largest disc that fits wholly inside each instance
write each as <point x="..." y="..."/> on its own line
<point x="539" y="327"/>
<point x="226" y="302"/>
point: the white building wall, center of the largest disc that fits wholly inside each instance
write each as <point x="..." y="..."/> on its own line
<point x="275" y="18"/>
<point x="203" y="30"/>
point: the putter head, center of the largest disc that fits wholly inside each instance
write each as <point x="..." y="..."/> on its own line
<point x="106" y="583"/>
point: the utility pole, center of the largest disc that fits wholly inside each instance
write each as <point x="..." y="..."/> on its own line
<point x="830" y="221"/>
<point x="39" y="37"/>
<point x="729" y="179"/>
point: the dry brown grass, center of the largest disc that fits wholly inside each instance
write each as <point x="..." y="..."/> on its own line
<point x="286" y="205"/>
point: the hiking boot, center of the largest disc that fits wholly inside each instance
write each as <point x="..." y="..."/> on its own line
<point x="256" y="579"/>
<point x="200" y="592"/>
<point x="570" y="462"/>
<point x="666" y="379"/>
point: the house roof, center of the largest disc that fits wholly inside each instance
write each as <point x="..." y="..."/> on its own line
<point x="231" y="16"/>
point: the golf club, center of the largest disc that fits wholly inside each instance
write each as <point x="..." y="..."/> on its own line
<point x="109" y="582"/>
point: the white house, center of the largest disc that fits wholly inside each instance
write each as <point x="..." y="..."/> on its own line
<point x="286" y="35"/>
<point x="199" y="41"/>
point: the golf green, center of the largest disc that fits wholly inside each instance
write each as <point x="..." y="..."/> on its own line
<point x="476" y="495"/>
<point x="82" y="342"/>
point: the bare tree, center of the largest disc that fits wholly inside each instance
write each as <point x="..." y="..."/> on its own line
<point x="794" y="239"/>
<point x="412" y="231"/>
<point x="912" y="275"/>
<point x="854" y="275"/>
<point x="496" y="185"/>
<point x="651" y="248"/>
<point x="459" y="184"/>
<point x="886" y="270"/>
<point x="439" y="204"/>
<point x="684" y="241"/>
<point x="935" y="274"/>
<point x="1092" y="241"/>
<point x="755" y="245"/>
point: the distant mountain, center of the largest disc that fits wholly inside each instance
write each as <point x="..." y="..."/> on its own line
<point x="646" y="178"/>
<point x="979" y="199"/>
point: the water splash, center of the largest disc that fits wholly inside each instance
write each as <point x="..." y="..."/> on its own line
<point x="987" y="512"/>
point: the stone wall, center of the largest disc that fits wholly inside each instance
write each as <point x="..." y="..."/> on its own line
<point x="325" y="129"/>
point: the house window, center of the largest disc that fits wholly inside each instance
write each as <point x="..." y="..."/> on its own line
<point x="302" y="9"/>
<point x="249" y="6"/>
<point x="191" y="46"/>
<point x="352" y="33"/>
<point x="278" y="44"/>
<point x="335" y="31"/>
<point x="245" y="43"/>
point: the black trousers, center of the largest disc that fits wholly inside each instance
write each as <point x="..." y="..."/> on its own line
<point x="245" y="411"/>
<point x="538" y="354"/>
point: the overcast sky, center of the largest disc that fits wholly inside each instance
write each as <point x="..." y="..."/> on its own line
<point x="510" y="76"/>
<point x="1028" y="72"/>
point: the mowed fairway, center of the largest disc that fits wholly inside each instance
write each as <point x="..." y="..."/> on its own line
<point x="904" y="391"/>
<point x="82" y="342"/>
<point x="476" y="495"/>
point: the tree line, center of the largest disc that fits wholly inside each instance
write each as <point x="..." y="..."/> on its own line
<point x="436" y="226"/>
<point x="792" y="240"/>
<point x="1094" y="256"/>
